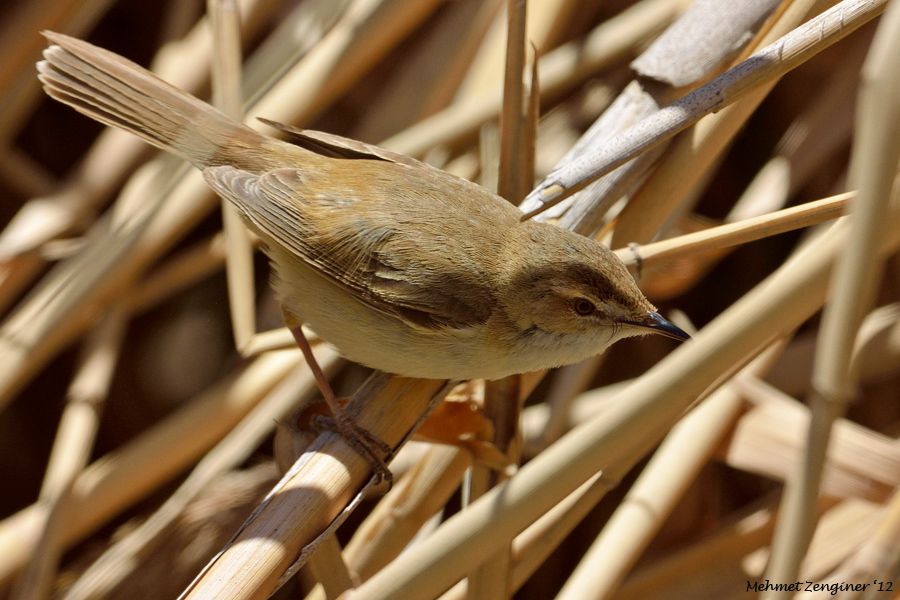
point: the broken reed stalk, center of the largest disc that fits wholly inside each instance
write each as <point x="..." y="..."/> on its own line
<point x="766" y="66"/>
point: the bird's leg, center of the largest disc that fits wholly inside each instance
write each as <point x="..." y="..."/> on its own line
<point x="360" y="439"/>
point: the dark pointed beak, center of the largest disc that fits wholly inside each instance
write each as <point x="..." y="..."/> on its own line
<point x="656" y="323"/>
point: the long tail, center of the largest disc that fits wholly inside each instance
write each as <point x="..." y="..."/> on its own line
<point x="117" y="92"/>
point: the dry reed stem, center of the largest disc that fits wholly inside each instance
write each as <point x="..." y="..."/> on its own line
<point x="487" y="68"/>
<point x="534" y="545"/>
<point x="559" y="69"/>
<point x="122" y="477"/>
<point x="584" y="407"/>
<point x="710" y="567"/>
<point x="422" y="492"/>
<point x="643" y="412"/>
<point x="873" y="167"/>
<point x="319" y="485"/>
<point x="820" y="130"/>
<point x="761" y="69"/>
<point x="661" y="484"/>
<point x="877" y="558"/>
<point x="567" y="383"/>
<point x="843" y="527"/>
<point x="708" y="36"/>
<point x="514" y="145"/>
<point x="63" y="305"/>
<point x="71" y="451"/>
<point x="639" y="100"/>
<point x="426" y="82"/>
<point x="690" y="158"/>
<point x="187" y="268"/>
<point x="293" y="37"/>
<point x="539" y="551"/>
<point x="313" y="492"/>
<point x="113" y="156"/>
<point x="327" y="567"/>
<point x="503" y="400"/>
<point x="177" y="274"/>
<point x="226" y="94"/>
<point x="876" y="352"/>
<point x="363" y="35"/>
<point x="768" y="440"/>
<point x="741" y="232"/>
<point x="698" y="43"/>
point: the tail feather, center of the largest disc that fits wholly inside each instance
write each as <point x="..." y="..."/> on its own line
<point x="119" y="93"/>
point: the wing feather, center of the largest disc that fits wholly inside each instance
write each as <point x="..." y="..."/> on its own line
<point x="355" y="247"/>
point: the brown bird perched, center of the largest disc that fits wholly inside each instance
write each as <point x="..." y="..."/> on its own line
<point x="401" y="266"/>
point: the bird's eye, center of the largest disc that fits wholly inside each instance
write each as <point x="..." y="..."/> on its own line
<point x="584" y="307"/>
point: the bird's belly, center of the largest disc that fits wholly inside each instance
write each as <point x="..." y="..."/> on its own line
<point x="369" y="337"/>
<point x="374" y="339"/>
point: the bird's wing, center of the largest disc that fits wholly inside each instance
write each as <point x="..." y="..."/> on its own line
<point x="357" y="247"/>
<point x="336" y="146"/>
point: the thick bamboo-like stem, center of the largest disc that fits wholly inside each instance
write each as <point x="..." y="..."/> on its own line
<point x="764" y="67"/>
<point x="876" y="153"/>
<point x="313" y="492"/>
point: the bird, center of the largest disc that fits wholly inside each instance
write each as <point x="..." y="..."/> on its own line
<point x="401" y="266"/>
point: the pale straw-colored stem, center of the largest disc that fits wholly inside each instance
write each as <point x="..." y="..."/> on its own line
<point x="502" y="399"/>
<point x="128" y="474"/>
<point x="120" y="560"/>
<point x="226" y="95"/>
<point x="734" y="234"/>
<point x="559" y="68"/>
<point x="71" y="451"/>
<point x="662" y="483"/>
<point x="873" y="168"/>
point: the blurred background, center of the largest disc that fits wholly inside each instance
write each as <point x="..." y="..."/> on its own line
<point x="392" y="66"/>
